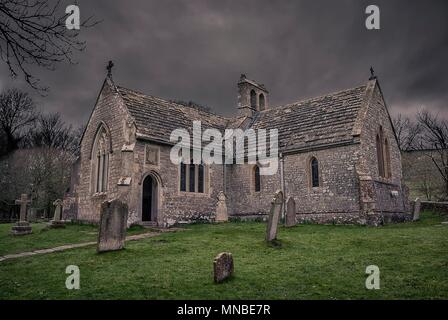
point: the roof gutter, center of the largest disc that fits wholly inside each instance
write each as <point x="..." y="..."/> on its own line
<point x="145" y="137"/>
<point x="321" y="147"/>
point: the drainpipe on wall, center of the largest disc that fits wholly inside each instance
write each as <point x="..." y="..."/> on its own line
<point x="224" y="177"/>
<point x="282" y="183"/>
<point x="224" y="185"/>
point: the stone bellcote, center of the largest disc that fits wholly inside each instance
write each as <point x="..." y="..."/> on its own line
<point x="252" y="97"/>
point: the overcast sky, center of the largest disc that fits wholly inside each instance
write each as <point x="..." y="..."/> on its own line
<point x="196" y="50"/>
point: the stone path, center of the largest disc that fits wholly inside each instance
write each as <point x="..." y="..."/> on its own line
<point x="84" y="244"/>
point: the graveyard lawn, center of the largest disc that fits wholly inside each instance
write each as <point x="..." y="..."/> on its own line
<point x="44" y="238"/>
<point x="313" y="262"/>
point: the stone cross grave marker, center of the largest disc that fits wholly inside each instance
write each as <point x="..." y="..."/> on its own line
<point x="57" y="222"/>
<point x="23" y="205"/>
<point x="221" y="208"/>
<point x="290" y="212"/>
<point x="222" y="266"/>
<point x="112" y="233"/>
<point x="274" y="215"/>
<point x="417" y="208"/>
<point x="22" y="227"/>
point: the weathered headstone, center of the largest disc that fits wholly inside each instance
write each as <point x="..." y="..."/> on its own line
<point x="57" y="222"/>
<point x="22" y="227"/>
<point x="112" y="233"/>
<point x="221" y="208"/>
<point x="290" y="212"/>
<point x="417" y="207"/>
<point x="222" y="266"/>
<point x="274" y="215"/>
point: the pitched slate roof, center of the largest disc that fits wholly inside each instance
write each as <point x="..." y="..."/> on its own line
<point x="315" y="122"/>
<point x="156" y="118"/>
<point x="320" y="121"/>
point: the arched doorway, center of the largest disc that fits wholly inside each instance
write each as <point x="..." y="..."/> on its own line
<point x="149" y="199"/>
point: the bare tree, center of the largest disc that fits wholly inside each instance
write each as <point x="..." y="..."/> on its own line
<point x="407" y="133"/>
<point x="17" y="113"/>
<point x="52" y="132"/>
<point x="434" y="142"/>
<point x="33" y="32"/>
<point x="41" y="171"/>
<point x="76" y="143"/>
<point x="43" y="166"/>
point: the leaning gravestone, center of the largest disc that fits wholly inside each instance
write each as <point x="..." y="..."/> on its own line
<point x="221" y="208"/>
<point x="290" y="212"/>
<point x="222" y="267"/>
<point x="274" y="215"/>
<point x="57" y="222"/>
<point x="22" y="227"/>
<point x="112" y="233"/>
<point x="417" y="207"/>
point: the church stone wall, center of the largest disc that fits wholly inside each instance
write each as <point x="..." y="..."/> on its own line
<point x="110" y="111"/>
<point x="336" y="200"/>
<point x="174" y="206"/>
<point x="242" y="198"/>
<point x="390" y="196"/>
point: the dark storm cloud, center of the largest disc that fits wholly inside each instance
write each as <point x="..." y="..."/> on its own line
<point x="196" y="50"/>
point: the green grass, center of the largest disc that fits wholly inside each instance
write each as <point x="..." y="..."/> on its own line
<point x="313" y="262"/>
<point x="43" y="238"/>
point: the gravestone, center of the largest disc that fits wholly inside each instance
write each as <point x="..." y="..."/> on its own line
<point x="274" y="215"/>
<point x="222" y="266"/>
<point x="417" y="208"/>
<point x="290" y="212"/>
<point x="57" y="222"/>
<point x="22" y="226"/>
<point x="112" y="233"/>
<point x="221" y="208"/>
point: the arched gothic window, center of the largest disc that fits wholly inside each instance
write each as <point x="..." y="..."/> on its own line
<point x="379" y="153"/>
<point x="383" y="155"/>
<point x="100" y="160"/>
<point x="314" y="172"/>
<point x="388" y="170"/>
<point x="262" y="103"/>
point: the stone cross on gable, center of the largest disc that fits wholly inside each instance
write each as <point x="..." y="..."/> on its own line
<point x="372" y="74"/>
<point x="109" y="67"/>
<point x="23" y="203"/>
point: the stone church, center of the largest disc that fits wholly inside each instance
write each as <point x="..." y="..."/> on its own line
<point x="339" y="159"/>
